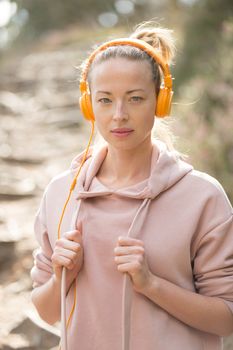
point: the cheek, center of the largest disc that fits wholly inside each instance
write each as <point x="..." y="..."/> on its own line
<point x="149" y="116"/>
<point x="149" y="123"/>
<point x="101" y="112"/>
<point x="102" y="125"/>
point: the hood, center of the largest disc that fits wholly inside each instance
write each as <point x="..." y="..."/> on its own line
<point x="166" y="170"/>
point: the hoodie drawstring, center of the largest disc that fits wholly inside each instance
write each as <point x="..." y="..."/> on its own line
<point x="64" y="323"/>
<point x="127" y="283"/>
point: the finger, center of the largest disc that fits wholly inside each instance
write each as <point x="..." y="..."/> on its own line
<point x="73" y="236"/>
<point x="79" y="226"/>
<point x="124" y="250"/>
<point x="129" y="241"/>
<point x="63" y="262"/>
<point x="69" y="245"/>
<point x="128" y="258"/>
<point x="128" y="267"/>
<point x="64" y="253"/>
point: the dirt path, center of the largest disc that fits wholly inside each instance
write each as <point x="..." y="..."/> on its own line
<point x="41" y="130"/>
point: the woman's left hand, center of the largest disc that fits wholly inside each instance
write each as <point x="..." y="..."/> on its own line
<point x="130" y="257"/>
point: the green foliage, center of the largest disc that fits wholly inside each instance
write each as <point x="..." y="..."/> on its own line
<point x="205" y="75"/>
<point x="44" y="15"/>
<point x="206" y="28"/>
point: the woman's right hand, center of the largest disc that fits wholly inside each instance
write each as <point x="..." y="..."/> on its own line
<point x="68" y="252"/>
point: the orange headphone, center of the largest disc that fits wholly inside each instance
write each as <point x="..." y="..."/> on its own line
<point x="163" y="105"/>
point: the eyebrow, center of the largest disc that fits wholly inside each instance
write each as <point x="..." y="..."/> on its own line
<point x="128" y="92"/>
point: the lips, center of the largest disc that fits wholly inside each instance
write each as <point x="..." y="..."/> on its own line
<point x="121" y="130"/>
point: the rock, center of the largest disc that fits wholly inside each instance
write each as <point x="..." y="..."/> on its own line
<point x="21" y="160"/>
<point x="14" y="189"/>
<point x="72" y="119"/>
<point x="31" y="334"/>
<point x="7" y="253"/>
<point x="11" y="103"/>
<point x="2" y="217"/>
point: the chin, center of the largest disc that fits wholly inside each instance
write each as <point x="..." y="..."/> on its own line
<point x="124" y="145"/>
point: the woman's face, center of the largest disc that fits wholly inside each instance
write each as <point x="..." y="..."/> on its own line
<point x="123" y="100"/>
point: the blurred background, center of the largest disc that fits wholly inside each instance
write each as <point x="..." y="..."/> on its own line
<point x="41" y="128"/>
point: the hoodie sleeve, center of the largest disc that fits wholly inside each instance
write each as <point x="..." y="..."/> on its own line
<point x="42" y="269"/>
<point x="213" y="263"/>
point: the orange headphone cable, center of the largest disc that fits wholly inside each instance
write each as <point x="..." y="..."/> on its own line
<point x="75" y="180"/>
<point x="60" y="222"/>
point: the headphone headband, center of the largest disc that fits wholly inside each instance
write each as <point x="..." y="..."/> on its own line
<point x="131" y="42"/>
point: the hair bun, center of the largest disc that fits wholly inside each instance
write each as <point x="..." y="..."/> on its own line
<point x="159" y="38"/>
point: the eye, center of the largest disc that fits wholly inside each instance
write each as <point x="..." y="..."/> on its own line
<point x="136" y="98"/>
<point x="104" y="100"/>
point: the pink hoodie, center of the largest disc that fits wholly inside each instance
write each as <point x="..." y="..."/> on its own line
<point x="183" y="217"/>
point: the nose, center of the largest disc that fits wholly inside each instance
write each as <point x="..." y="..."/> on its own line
<point x="120" y="111"/>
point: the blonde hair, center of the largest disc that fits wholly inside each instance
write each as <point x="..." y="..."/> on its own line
<point x="162" y="40"/>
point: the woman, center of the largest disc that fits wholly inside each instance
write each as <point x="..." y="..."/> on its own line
<point x="146" y="239"/>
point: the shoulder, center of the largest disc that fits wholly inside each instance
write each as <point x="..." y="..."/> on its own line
<point x="60" y="184"/>
<point x="207" y="181"/>
<point x="208" y="190"/>
<point x="63" y="177"/>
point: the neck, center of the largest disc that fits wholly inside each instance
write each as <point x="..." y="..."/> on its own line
<point x="123" y="166"/>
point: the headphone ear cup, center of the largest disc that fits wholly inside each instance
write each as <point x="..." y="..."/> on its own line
<point x="163" y="106"/>
<point x="86" y="107"/>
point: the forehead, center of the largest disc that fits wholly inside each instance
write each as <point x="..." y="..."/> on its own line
<point x="121" y="69"/>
